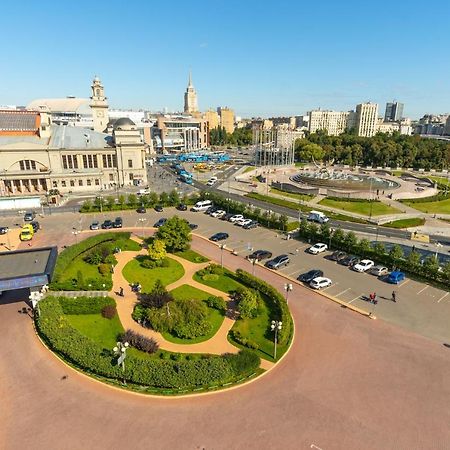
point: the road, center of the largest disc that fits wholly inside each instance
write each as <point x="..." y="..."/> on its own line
<point x="420" y="307"/>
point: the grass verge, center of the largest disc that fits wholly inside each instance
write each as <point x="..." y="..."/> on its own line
<point x="405" y="223"/>
<point x="192" y="256"/>
<point x="365" y="208"/>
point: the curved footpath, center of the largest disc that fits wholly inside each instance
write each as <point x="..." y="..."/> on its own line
<point x="218" y="344"/>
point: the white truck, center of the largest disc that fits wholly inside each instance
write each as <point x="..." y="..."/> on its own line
<point x="317" y="216"/>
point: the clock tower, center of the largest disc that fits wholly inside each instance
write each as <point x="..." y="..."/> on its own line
<point x="99" y="105"/>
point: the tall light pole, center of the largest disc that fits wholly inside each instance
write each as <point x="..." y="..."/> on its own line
<point x="222" y="246"/>
<point x="438" y="245"/>
<point x="329" y="240"/>
<point x="254" y="261"/>
<point x="288" y="288"/>
<point x="120" y="350"/>
<point x="275" y="327"/>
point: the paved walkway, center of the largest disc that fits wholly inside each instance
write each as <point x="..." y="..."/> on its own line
<point x="218" y="344"/>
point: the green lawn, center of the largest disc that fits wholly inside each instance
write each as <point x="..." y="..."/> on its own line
<point x="249" y="169"/>
<point x="185" y="292"/>
<point x="439" y="207"/>
<point x="405" y="223"/>
<point x="225" y="283"/>
<point x="135" y="273"/>
<point x="94" y="326"/>
<point x="440" y="180"/>
<point x="257" y="330"/>
<point x="365" y="207"/>
<point x="88" y="270"/>
<point x="304" y="197"/>
<point x="192" y="256"/>
<point x="296" y="206"/>
<point x="128" y="245"/>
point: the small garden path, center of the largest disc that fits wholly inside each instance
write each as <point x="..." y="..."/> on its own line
<point x="218" y="344"/>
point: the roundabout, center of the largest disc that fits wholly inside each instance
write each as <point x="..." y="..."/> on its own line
<point x="207" y="356"/>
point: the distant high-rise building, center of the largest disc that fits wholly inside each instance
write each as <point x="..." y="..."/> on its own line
<point x="190" y="98"/>
<point x="394" y="112"/>
<point x="226" y="118"/>
<point x="99" y="106"/>
<point x="366" y="119"/>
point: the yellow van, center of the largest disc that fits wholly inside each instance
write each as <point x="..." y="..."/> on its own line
<point x="27" y="233"/>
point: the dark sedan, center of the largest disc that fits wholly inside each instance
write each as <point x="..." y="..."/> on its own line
<point x="141" y="210"/>
<point x="260" y="255"/>
<point x="160" y="222"/>
<point x="118" y="223"/>
<point x="35" y="225"/>
<point x="252" y="224"/>
<point x="349" y="261"/>
<point x="182" y="207"/>
<point x="193" y="226"/>
<point x="4" y="230"/>
<point x="278" y="262"/>
<point x="338" y="255"/>
<point x="159" y="208"/>
<point x="219" y="237"/>
<point x="227" y="216"/>
<point x="309" y="276"/>
<point x="107" y="225"/>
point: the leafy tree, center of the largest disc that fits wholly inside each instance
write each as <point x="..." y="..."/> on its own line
<point x="364" y="247"/>
<point x="157" y="250"/>
<point x="132" y="200"/>
<point x="192" y="319"/>
<point x="446" y="271"/>
<point x="311" y="152"/>
<point x="175" y="233"/>
<point x="164" y="198"/>
<point x="325" y="232"/>
<point x="413" y="259"/>
<point x="248" y="304"/>
<point x="431" y="265"/>
<point x="99" y="202"/>
<point x="396" y="253"/>
<point x="143" y="200"/>
<point x="110" y="202"/>
<point x="283" y="221"/>
<point x="350" y="241"/>
<point x="379" y="249"/>
<point x="153" y="198"/>
<point x="174" y="198"/>
<point x="157" y="297"/>
<point x="338" y="237"/>
<point x="121" y="200"/>
<point x="313" y="231"/>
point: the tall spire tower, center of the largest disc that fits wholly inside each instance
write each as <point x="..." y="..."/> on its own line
<point x="190" y="98"/>
<point x="99" y="105"/>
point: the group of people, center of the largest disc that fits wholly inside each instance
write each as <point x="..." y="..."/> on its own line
<point x="373" y="297"/>
<point x="136" y="287"/>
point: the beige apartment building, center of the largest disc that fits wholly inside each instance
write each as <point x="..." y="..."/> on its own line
<point x="366" y="119"/>
<point x="226" y="118"/>
<point x="212" y="118"/>
<point x="37" y="156"/>
<point x="334" y="122"/>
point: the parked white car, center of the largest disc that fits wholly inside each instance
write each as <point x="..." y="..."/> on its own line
<point x="379" y="271"/>
<point x="244" y="222"/>
<point x="363" y="265"/>
<point x="320" y="283"/>
<point x="236" y="217"/>
<point x="218" y="213"/>
<point x="317" y="248"/>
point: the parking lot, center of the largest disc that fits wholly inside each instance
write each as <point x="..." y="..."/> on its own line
<point x="419" y="307"/>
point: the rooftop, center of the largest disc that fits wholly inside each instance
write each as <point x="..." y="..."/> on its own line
<point x="19" y="120"/>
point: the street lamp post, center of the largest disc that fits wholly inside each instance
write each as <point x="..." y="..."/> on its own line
<point x="254" y="260"/>
<point x="275" y="327"/>
<point x="222" y="246"/>
<point x="438" y="245"/>
<point x="288" y="288"/>
<point x="120" y="350"/>
<point x="329" y="240"/>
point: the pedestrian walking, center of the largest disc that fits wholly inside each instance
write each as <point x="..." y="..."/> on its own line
<point x="371" y="297"/>
<point x="375" y="301"/>
<point x="121" y="292"/>
<point x="394" y="297"/>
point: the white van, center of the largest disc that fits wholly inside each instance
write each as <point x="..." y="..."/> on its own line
<point x="212" y="181"/>
<point x="317" y="216"/>
<point x="202" y="205"/>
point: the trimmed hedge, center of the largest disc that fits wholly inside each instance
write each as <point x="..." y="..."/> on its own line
<point x="86" y="354"/>
<point x="70" y="253"/>
<point x="280" y="309"/>
<point x="85" y="305"/>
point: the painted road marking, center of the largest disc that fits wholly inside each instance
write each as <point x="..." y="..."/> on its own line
<point x="315" y="447"/>
<point x="291" y="273"/>
<point x="442" y="298"/>
<point x="356" y="298"/>
<point x="331" y="285"/>
<point x="426" y="287"/>
<point x="405" y="282"/>
<point x="343" y="292"/>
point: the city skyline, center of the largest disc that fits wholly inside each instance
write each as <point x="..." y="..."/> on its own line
<point x="300" y="65"/>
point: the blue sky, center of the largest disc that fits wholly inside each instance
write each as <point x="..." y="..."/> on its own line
<point x="260" y="58"/>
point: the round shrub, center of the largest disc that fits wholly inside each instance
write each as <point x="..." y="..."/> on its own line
<point x="148" y="264"/>
<point x="109" y="311"/>
<point x="210" y="277"/>
<point x="164" y="263"/>
<point x="217" y="303"/>
<point x="104" y="269"/>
